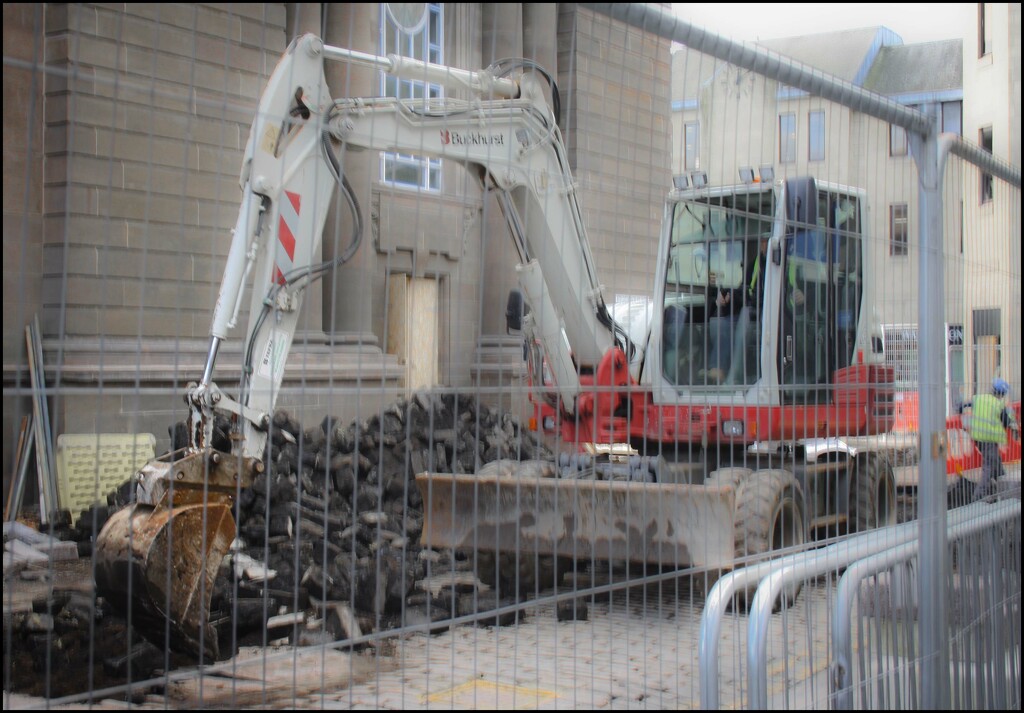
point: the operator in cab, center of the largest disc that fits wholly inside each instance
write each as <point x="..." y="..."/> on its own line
<point x="724" y="311"/>
<point x="751" y="297"/>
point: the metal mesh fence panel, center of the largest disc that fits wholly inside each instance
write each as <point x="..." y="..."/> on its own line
<point x="466" y="355"/>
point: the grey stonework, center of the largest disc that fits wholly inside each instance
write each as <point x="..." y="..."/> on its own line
<point x="124" y="129"/>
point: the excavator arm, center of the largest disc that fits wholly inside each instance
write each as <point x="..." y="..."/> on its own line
<point x="289" y="175"/>
<point x="164" y="551"/>
<point x="504" y="133"/>
<point x="515" y="147"/>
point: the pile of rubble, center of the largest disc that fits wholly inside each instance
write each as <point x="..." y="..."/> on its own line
<point x="328" y="536"/>
<point x="327" y="550"/>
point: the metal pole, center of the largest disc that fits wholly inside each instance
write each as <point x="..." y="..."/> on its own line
<point x="660" y="21"/>
<point x="932" y="619"/>
<point x="211" y="358"/>
<point x="478" y="83"/>
<point x="993" y="621"/>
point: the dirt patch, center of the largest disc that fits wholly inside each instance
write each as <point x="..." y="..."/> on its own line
<point x="60" y="640"/>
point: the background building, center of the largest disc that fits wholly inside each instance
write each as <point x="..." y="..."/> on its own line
<point x="992" y="309"/>
<point x="125" y="127"/>
<point x="725" y="118"/>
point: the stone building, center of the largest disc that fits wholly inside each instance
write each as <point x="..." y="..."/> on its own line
<point x="124" y="130"/>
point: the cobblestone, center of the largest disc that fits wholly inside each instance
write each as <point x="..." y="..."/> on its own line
<point x="638" y="649"/>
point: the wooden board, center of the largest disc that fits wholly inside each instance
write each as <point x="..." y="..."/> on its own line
<point x="257" y="675"/>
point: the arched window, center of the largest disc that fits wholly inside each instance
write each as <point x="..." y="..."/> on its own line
<point x="412" y="30"/>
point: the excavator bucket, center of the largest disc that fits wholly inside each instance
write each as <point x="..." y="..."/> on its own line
<point x="158" y="558"/>
<point x="164" y="561"/>
<point x="677" y="525"/>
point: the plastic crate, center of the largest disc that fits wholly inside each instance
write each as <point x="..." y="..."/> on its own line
<point x="91" y="465"/>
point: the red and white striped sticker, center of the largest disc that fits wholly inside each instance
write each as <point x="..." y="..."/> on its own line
<point x="287" y="229"/>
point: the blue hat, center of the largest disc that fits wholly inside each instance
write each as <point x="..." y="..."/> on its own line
<point x="1000" y="387"/>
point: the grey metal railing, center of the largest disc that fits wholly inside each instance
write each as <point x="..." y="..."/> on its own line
<point x="985" y="519"/>
<point x="776" y="573"/>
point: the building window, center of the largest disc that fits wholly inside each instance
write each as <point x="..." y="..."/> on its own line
<point x="424" y="43"/>
<point x="985" y="140"/>
<point x="984" y="29"/>
<point x="952" y="118"/>
<point x="692" y="146"/>
<point x="787" y="138"/>
<point x="816" y="136"/>
<point x="900" y="345"/>
<point x="898" y="229"/>
<point x="897" y="140"/>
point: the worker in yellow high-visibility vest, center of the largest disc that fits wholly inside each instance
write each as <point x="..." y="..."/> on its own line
<point x="990" y="417"/>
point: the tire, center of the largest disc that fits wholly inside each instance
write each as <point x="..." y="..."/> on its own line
<point x="538" y="573"/>
<point x="486" y="567"/>
<point x="729" y="476"/>
<point x="770" y="516"/>
<point x="702" y="582"/>
<point x="872" y="494"/>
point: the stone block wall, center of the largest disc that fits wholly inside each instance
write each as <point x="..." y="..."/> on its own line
<point x="124" y="131"/>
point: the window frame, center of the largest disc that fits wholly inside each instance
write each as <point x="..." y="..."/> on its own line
<point x="899" y="246"/>
<point x="787" y="139"/>
<point x="694" y="164"/>
<point x="818" y="141"/>
<point x="987" y="187"/>
<point x="899" y="142"/>
<point x="426" y="44"/>
<point x="984" y="30"/>
<point x="948" y="115"/>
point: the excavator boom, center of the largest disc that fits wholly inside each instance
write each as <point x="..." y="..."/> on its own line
<point x="173" y="539"/>
<point x="163" y="552"/>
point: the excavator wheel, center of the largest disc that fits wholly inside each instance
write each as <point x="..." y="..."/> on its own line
<point x="703" y="581"/>
<point x="729" y="476"/>
<point x="770" y="516"/>
<point x="872" y="493"/>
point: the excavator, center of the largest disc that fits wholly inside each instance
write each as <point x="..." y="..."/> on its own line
<point x="693" y="458"/>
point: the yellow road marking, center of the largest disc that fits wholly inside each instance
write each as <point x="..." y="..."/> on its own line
<point x="488" y="695"/>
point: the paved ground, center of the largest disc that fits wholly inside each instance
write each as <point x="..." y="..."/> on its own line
<point x="636" y="649"/>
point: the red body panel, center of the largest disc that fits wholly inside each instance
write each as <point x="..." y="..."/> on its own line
<point x="861" y="403"/>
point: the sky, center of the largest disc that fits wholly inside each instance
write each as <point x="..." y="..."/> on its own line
<point x="749" y="22"/>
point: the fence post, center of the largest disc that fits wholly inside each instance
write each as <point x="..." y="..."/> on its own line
<point x="932" y="618"/>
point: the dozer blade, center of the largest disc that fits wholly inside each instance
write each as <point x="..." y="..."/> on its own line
<point x="676" y="525"/>
<point x="162" y="563"/>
